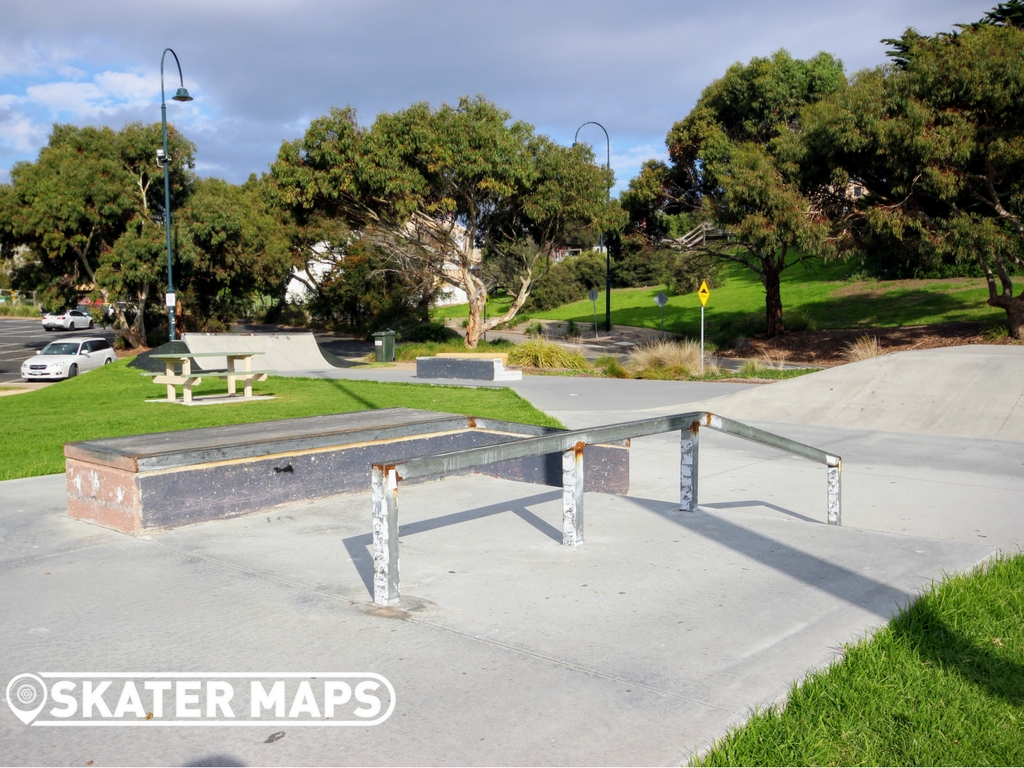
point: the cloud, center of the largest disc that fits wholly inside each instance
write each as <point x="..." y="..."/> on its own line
<point x="261" y="69"/>
<point x="108" y="93"/>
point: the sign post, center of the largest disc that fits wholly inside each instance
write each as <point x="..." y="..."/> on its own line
<point x="703" y="293"/>
<point x="661" y="300"/>
<point x="593" y="297"/>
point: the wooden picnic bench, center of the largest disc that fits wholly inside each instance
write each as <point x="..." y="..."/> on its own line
<point x="239" y="368"/>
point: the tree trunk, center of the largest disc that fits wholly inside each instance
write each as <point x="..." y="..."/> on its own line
<point x="1014" y="315"/>
<point x="772" y="298"/>
<point x="474" y="329"/>
<point x="1005" y="300"/>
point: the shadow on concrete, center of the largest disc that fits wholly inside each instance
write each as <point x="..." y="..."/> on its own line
<point x="852" y="587"/>
<point x="360" y="547"/>
<point x="215" y="761"/>
<point x="847" y="585"/>
<point x="766" y="505"/>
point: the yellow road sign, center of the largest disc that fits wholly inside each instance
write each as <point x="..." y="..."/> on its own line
<point x="703" y="293"/>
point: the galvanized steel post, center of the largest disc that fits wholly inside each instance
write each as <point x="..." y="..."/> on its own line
<point x="572" y="496"/>
<point x="689" y="445"/>
<point x="834" y="482"/>
<point x="384" y="488"/>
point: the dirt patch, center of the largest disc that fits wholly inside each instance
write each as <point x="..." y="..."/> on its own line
<point x="829" y="347"/>
<point x="881" y="288"/>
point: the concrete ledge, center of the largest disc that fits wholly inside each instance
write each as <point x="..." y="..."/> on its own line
<point x="151" y="482"/>
<point x="475" y="369"/>
<point x="503" y="356"/>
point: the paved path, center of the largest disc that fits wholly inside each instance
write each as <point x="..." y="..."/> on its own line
<point x="641" y="646"/>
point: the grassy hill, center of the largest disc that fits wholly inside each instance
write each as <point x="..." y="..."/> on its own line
<point x="814" y="296"/>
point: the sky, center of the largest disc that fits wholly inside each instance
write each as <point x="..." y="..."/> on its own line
<point x="260" y="70"/>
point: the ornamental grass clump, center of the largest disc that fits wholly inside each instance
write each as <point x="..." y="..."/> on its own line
<point x="538" y="353"/>
<point x="666" y="360"/>
<point x="612" y="368"/>
<point x="864" y="348"/>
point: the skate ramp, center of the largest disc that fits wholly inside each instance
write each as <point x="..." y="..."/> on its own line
<point x="282" y="352"/>
<point x="968" y="391"/>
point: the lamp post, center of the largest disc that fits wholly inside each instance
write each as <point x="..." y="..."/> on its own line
<point x="165" y="160"/>
<point x="607" y="255"/>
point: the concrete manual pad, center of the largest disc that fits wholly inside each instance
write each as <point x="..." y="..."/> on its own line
<point x="658" y="633"/>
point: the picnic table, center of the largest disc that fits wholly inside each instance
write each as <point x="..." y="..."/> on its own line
<point x="239" y="368"/>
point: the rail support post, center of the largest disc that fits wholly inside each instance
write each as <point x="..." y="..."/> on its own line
<point x="572" y="496"/>
<point x="689" y="445"/>
<point x="834" y="482"/>
<point x="384" y="487"/>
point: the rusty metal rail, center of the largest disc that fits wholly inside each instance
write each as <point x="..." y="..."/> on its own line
<point x="385" y="477"/>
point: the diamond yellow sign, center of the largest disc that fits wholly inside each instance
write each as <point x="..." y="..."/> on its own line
<point x="703" y="293"/>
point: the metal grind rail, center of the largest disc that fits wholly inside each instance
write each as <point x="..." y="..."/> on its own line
<point x="385" y="477"/>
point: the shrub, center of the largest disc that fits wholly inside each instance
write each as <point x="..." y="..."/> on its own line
<point x="566" y="282"/>
<point x="750" y="369"/>
<point x="997" y="333"/>
<point x="537" y="353"/>
<point x="863" y="348"/>
<point x="536" y="328"/>
<point x="436" y="332"/>
<point x="408" y="352"/>
<point x="666" y="355"/>
<point x="612" y="367"/>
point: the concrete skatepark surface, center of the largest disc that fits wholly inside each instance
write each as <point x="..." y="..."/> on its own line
<point x="640" y="647"/>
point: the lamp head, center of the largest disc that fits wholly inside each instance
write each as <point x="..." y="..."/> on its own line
<point x="182" y="95"/>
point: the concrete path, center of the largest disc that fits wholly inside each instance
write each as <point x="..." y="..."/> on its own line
<point x="639" y="647"/>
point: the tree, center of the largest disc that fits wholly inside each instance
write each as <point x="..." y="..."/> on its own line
<point x="232" y="245"/>
<point x="88" y="188"/>
<point x="937" y="142"/>
<point x="734" y="159"/>
<point x="457" y="196"/>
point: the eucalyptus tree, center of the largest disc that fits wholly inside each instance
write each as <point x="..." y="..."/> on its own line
<point x="458" y="195"/>
<point x="936" y="141"/>
<point x="87" y="188"/>
<point x="734" y="160"/>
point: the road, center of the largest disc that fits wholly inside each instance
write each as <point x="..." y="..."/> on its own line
<point x="21" y="337"/>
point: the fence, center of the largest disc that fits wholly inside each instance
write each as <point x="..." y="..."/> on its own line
<point x="385" y="477"/>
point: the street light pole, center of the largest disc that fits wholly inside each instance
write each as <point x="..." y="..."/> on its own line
<point x="165" y="160"/>
<point x="607" y="255"/>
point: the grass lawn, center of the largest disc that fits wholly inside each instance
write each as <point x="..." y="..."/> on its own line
<point x="110" y="401"/>
<point x="941" y="684"/>
<point x="814" y="295"/>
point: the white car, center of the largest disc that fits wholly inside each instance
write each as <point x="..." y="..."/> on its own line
<point x="67" y="359"/>
<point x="67" y="321"/>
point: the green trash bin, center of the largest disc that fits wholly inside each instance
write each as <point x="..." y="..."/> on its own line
<point x="384" y="346"/>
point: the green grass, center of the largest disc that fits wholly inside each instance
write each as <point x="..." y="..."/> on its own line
<point x="18" y="310"/>
<point x="814" y="295"/>
<point x="941" y="684"/>
<point x="110" y="401"/>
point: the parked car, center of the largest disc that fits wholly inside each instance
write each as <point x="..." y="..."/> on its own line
<point x="67" y="321"/>
<point x="66" y="359"/>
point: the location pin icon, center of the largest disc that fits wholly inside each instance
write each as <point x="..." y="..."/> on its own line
<point x="23" y="692"/>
